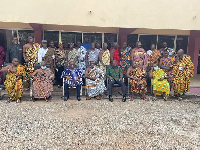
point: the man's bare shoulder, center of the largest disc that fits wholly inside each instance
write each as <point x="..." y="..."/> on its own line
<point x="26" y="45"/>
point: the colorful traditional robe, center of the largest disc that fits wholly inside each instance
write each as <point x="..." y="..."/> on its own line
<point x="106" y="60"/>
<point x="97" y="87"/>
<point x="125" y="60"/>
<point x="182" y="71"/>
<point x="168" y="62"/>
<point x="154" y="56"/>
<point x="160" y="86"/>
<point x="81" y="59"/>
<point x="49" y="58"/>
<point x="73" y="56"/>
<point x="141" y="85"/>
<point x="45" y="83"/>
<point x="73" y="74"/>
<point x="32" y="56"/>
<point x="141" y="57"/>
<point x="13" y="87"/>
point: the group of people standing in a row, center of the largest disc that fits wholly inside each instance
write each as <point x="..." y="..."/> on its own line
<point x="89" y="64"/>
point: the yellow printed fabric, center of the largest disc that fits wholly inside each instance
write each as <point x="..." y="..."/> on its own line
<point x="13" y="87"/>
<point x="160" y="86"/>
<point x="182" y="72"/>
<point x="32" y="56"/>
<point x="106" y="60"/>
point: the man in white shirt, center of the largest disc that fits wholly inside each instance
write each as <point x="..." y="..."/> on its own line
<point x="42" y="51"/>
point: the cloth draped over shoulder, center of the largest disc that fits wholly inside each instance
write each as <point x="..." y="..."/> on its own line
<point x="32" y="56"/>
<point x="141" y="85"/>
<point x="50" y="57"/>
<point x="141" y="57"/>
<point x="182" y="71"/>
<point x="97" y="87"/>
<point x="105" y="60"/>
<point x="45" y="83"/>
<point x="160" y="86"/>
<point x="125" y="60"/>
<point x="15" y="87"/>
<point x="81" y="59"/>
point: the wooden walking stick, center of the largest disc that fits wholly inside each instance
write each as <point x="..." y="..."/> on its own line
<point x="41" y="90"/>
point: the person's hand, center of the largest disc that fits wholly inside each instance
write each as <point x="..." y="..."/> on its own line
<point x="120" y="79"/>
<point x="77" y="79"/>
<point x="17" y="78"/>
<point x="161" y="79"/>
<point x="67" y="77"/>
<point x="26" y="60"/>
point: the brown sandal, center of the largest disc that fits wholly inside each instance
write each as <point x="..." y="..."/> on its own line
<point x="98" y="97"/>
<point x="88" y="98"/>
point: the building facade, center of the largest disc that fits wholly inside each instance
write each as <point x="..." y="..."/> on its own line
<point x="174" y="21"/>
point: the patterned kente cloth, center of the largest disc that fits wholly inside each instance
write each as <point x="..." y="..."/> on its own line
<point x="182" y="71"/>
<point x="154" y="56"/>
<point x="105" y="60"/>
<point x="81" y="59"/>
<point x="73" y="74"/>
<point x="73" y="56"/>
<point x="43" y="78"/>
<point x="32" y="56"/>
<point x="141" y="56"/>
<point x="50" y="57"/>
<point x="97" y="87"/>
<point x="168" y="62"/>
<point x="125" y="60"/>
<point x="160" y="86"/>
<point x="141" y="85"/>
<point x="93" y="55"/>
<point x="13" y="87"/>
<point x="60" y="57"/>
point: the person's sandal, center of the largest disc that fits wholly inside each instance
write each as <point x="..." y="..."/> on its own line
<point x="88" y="98"/>
<point x="98" y="97"/>
<point x="179" y="98"/>
<point x="165" y="98"/>
<point x="18" y="101"/>
<point x="131" y="98"/>
<point x="144" y="98"/>
<point x="154" y="99"/>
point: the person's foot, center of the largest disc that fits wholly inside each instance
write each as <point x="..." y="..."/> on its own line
<point x="66" y="98"/>
<point x="154" y="99"/>
<point x="131" y="98"/>
<point x="58" y="86"/>
<point x="88" y="98"/>
<point x="179" y="98"/>
<point x="18" y="101"/>
<point x="110" y="98"/>
<point x="124" y="98"/>
<point x="98" y="97"/>
<point x="144" y="98"/>
<point x="78" y="98"/>
<point x="165" y="98"/>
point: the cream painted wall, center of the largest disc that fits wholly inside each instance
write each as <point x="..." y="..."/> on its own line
<point x="153" y="14"/>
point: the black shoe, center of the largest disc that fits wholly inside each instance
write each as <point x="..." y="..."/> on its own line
<point x="66" y="98"/>
<point x="124" y="99"/>
<point x="110" y="98"/>
<point x="78" y="98"/>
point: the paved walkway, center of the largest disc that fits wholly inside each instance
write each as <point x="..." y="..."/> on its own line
<point x="195" y="85"/>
